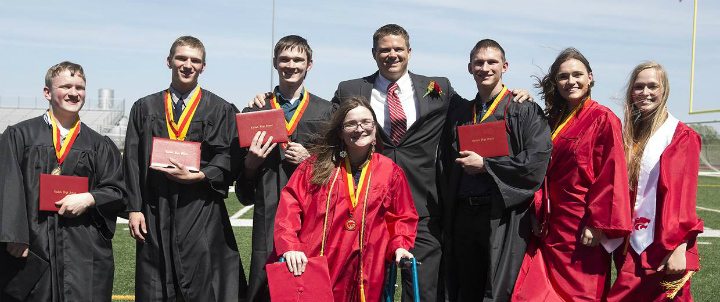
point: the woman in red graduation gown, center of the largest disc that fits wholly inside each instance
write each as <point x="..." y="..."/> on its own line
<point x="584" y="202"/>
<point x="350" y="204"/>
<point x="663" y="158"/>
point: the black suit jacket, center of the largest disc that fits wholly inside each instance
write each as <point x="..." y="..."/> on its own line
<point x="416" y="153"/>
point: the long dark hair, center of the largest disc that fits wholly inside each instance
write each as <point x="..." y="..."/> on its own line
<point x="329" y="147"/>
<point x="555" y="105"/>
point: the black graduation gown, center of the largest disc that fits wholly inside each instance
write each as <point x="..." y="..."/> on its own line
<point x="517" y="177"/>
<point x="70" y="259"/>
<point x="190" y="243"/>
<point x="263" y="191"/>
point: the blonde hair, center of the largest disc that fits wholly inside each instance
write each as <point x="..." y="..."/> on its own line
<point x="639" y="127"/>
<point x="55" y="70"/>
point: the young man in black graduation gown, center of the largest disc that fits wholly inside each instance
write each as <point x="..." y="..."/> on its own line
<point x="65" y="255"/>
<point x="186" y="250"/>
<point x="266" y="167"/>
<point x="488" y="199"/>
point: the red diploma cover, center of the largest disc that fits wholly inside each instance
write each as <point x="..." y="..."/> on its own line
<point x="272" y="121"/>
<point x="313" y="285"/>
<point x="53" y="188"/>
<point x="485" y="139"/>
<point x="186" y="153"/>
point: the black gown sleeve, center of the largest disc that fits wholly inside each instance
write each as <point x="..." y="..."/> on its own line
<point x="109" y="188"/>
<point x="218" y="171"/>
<point x="518" y="176"/>
<point x="14" y="221"/>
<point x="134" y="201"/>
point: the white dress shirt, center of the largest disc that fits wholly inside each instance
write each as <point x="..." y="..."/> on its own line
<point x="406" y="93"/>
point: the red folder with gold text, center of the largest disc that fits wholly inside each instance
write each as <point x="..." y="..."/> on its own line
<point x="272" y="121"/>
<point x="53" y="188"/>
<point x="486" y="139"/>
<point x="183" y="152"/>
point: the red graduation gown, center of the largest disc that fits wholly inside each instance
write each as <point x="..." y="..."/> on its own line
<point x="587" y="186"/>
<point x="391" y="221"/>
<point x="677" y="221"/>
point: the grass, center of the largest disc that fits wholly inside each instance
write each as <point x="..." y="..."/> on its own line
<point x="705" y="286"/>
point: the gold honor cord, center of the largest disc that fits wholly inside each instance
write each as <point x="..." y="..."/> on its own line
<point x="567" y="120"/>
<point x="62" y="147"/>
<point x="178" y="131"/>
<point x="492" y="108"/>
<point x="327" y="212"/>
<point x="362" y="234"/>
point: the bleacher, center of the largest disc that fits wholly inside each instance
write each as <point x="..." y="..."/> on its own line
<point x="110" y="122"/>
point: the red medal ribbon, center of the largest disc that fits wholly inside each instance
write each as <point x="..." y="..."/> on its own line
<point x="62" y="147"/>
<point x="178" y="131"/>
<point x="291" y="125"/>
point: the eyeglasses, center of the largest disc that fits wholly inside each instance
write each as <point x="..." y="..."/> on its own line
<point x="365" y="125"/>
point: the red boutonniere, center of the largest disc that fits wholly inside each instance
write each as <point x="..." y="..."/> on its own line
<point x="433" y="88"/>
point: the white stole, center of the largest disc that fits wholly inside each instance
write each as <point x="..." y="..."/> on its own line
<point x="643" y="232"/>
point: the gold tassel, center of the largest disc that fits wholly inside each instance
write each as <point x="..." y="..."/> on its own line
<point x="673" y="287"/>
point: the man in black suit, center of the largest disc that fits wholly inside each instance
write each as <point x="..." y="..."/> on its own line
<point x="411" y="116"/>
<point x="415" y="150"/>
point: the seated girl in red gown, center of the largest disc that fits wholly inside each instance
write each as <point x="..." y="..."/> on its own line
<point x="584" y="202"/>
<point x="663" y="158"/>
<point x="350" y="204"/>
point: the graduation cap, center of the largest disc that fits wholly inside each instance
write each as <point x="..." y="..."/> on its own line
<point x="313" y="285"/>
<point x="21" y="274"/>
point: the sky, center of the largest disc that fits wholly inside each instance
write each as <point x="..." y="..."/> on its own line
<point x="123" y="45"/>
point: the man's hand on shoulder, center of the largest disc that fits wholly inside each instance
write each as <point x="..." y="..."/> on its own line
<point x="296" y="153"/>
<point x="521" y="95"/>
<point x="260" y="100"/>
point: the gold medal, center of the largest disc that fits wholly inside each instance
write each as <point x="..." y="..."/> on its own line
<point x="56" y="171"/>
<point x="350" y="224"/>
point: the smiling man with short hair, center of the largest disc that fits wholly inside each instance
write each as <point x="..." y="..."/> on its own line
<point x="186" y="250"/>
<point x="63" y="255"/>
<point x="488" y="200"/>
<point x="267" y="167"/>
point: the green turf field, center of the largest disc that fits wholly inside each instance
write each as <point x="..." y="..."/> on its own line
<point x="706" y="283"/>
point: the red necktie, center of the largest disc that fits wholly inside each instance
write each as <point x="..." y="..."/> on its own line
<point x="398" y="121"/>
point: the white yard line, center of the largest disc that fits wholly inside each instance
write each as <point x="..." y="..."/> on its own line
<point x="710" y="173"/>
<point x="233" y="221"/>
<point x="241" y="222"/>
<point x="708" y="209"/>
<point x="241" y="212"/>
<point x="708" y="232"/>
